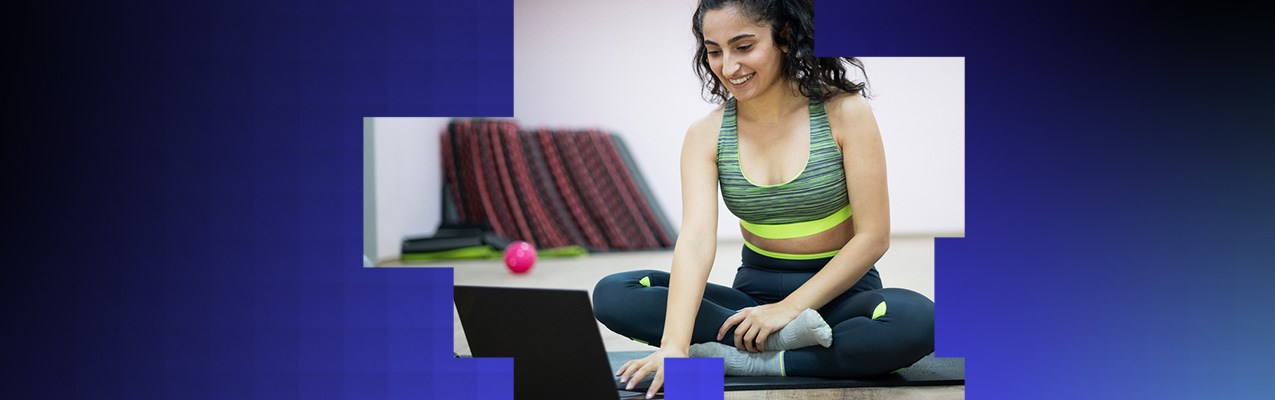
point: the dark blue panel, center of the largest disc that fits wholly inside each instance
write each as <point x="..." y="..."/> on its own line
<point x="1118" y="190"/>
<point x="183" y="219"/>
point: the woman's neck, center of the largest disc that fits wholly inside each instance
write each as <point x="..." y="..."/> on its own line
<point x="773" y="105"/>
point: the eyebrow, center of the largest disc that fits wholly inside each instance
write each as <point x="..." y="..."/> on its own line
<point x="732" y="40"/>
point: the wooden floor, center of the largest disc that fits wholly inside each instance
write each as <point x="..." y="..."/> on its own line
<point x="907" y="393"/>
<point x="909" y="264"/>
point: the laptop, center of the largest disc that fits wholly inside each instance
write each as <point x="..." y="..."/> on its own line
<point x="552" y="336"/>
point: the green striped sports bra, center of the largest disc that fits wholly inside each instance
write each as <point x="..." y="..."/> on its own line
<point x="812" y="202"/>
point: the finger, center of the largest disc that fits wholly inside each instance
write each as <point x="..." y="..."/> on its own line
<point x="641" y="374"/>
<point x="628" y="371"/>
<point x="656" y="383"/>
<point x="740" y="331"/>
<point x="761" y="339"/>
<point x="750" y="337"/>
<point x="734" y="319"/>
<point x="620" y="371"/>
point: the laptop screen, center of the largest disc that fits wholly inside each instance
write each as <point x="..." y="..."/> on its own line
<point x="551" y="334"/>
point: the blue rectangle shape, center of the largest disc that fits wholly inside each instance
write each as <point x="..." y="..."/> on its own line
<point x="694" y="378"/>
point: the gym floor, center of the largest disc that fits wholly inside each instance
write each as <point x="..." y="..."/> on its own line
<point x="909" y="263"/>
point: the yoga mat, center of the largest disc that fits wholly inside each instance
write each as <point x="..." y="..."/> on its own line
<point x="930" y="371"/>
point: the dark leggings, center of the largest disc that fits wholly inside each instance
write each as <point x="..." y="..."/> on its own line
<point x="633" y="303"/>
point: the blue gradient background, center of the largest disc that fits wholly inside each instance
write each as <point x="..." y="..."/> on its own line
<point x="1119" y="183"/>
<point x="185" y="208"/>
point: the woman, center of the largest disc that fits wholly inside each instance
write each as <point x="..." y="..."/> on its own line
<point x="792" y="147"/>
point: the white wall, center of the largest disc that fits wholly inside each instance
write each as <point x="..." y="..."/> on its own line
<point x="369" y="190"/>
<point x="619" y="66"/>
<point x="407" y="171"/>
<point x="625" y="67"/>
<point x="919" y="104"/>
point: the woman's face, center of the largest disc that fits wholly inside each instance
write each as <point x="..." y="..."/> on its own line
<point x="741" y="53"/>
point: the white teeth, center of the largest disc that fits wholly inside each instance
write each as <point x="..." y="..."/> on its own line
<point x="740" y="80"/>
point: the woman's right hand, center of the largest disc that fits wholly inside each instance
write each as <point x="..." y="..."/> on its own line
<point x="634" y="371"/>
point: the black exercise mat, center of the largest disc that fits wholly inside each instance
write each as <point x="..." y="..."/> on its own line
<point x="930" y="371"/>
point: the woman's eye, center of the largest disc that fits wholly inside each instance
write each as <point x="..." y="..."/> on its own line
<point x="714" y="52"/>
<point x="745" y="47"/>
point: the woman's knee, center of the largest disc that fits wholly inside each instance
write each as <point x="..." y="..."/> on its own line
<point x="915" y="322"/>
<point x="892" y="329"/>
<point x="624" y="280"/>
<point x="609" y="293"/>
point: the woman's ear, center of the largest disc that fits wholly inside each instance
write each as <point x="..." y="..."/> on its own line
<point x="783" y="34"/>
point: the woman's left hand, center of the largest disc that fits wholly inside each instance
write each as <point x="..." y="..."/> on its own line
<point x="756" y="324"/>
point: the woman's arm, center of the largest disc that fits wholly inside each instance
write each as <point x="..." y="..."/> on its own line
<point x="692" y="255"/>
<point x="697" y="243"/>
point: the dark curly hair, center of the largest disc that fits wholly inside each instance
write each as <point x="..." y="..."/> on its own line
<point x="792" y="26"/>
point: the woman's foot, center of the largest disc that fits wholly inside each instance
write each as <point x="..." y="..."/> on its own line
<point x="808" y="329"/>
<point x="742" y="363"/>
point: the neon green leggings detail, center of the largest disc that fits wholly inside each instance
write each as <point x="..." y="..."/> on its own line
<point x="879" y="311"/>
<point x="786" y="256"/>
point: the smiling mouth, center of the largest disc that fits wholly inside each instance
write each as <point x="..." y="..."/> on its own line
<point x="741" y="81"/>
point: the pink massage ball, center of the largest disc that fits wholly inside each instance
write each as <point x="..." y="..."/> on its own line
<point x="520" y="256"/>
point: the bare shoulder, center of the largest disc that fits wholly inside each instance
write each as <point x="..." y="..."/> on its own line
<point x="850" y="117"/>
<point x="848" y="107"/>
<point x="702" y="134"/>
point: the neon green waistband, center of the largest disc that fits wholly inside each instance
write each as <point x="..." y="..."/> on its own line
<point x="797" y="229"/>
<point x="786" y="256"/>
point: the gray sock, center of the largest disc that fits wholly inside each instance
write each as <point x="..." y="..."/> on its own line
<point x="808" y="329"/>
<point x="742" y="363"/>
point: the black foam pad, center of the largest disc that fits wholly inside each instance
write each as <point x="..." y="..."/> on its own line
<point x="930" y="371"/>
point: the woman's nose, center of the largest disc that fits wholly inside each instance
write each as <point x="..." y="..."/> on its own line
<point x="729" y="67"/>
